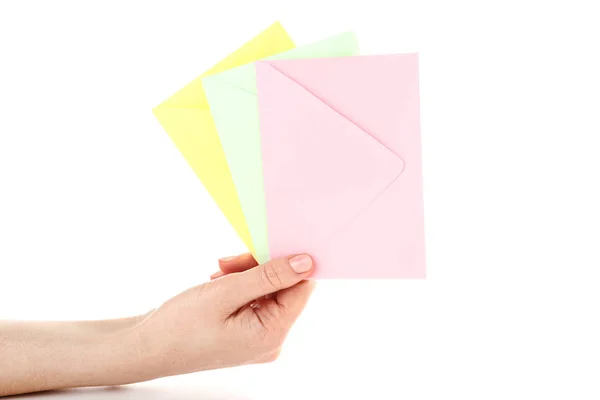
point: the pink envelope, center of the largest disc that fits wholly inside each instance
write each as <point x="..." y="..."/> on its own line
<point x="341" y="153"/>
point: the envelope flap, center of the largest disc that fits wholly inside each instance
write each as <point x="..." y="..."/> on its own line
<point x="244" y="77"/>
<point x="375" y="92"/>
<point x="320" y="169"/>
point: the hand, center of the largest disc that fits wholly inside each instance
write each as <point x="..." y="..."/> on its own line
<point x="241" y="316"/>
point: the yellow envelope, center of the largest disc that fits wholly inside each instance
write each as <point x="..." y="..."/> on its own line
<point x="187" y="119"/>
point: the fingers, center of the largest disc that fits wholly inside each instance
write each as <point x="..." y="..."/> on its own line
<point x="234" y="264"/>
<point x="293" y="300"/>
<point x="238" y="263"/>
<point x="216" y="275"/>
<point x="275" y="275"/>
<point x="278" y="314"/>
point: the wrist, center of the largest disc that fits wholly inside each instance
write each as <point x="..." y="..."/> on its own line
<point x="115" y="359"/>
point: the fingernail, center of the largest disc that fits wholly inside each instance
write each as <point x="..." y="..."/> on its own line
<point x="301" y="263"/>
<point x="217" y="274"/>
<point x="226" y="259"/>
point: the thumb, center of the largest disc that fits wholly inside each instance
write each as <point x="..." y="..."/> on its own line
<point x="275" y="275"/>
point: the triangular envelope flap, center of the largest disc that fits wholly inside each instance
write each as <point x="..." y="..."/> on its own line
<point x="344" y="44"/>
<point x="376" y="92"/>
<point x="218" y="88"/>
<point x="243" y="77"/>
<point x="320" y="170"/>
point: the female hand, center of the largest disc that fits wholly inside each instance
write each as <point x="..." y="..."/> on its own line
<point x="241" y="316"/>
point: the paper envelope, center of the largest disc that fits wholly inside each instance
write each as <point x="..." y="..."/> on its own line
<point x="341" y="155"/>
<point x="187" y="119"/>
<point x="233" y="105"/>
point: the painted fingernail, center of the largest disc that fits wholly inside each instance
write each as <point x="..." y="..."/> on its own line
<point x="227" y="259"/>
<point x="301" y="263"/>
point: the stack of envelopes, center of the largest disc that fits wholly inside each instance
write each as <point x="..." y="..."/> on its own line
<point x="311" y="149"/>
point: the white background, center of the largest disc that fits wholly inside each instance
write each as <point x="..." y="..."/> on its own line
<point x="101" y="217"/>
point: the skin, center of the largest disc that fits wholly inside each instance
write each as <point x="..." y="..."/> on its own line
<point x="241" y="316"/>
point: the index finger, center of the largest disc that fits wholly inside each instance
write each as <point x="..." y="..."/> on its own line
<point x="230" y="265"/>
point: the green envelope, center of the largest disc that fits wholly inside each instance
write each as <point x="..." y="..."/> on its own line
<point x="233" y="104"/>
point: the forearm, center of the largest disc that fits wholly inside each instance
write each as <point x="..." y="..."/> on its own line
<point x="36" y="356"/>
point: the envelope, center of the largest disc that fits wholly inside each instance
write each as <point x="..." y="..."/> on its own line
<point x="341" y="156"/>
<point x="233" y="105"/>
<point x="186" y="117"/>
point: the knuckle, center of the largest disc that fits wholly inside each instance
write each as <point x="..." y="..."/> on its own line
<point x="262" y="334"/>
<point x="271" y="276"/>
<point x="270" y="332"/>
<point x="207" y="290"/>
<point x="214" y="292"/>
<point x="273" y="337"/>
<point x="270" y="316"/>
